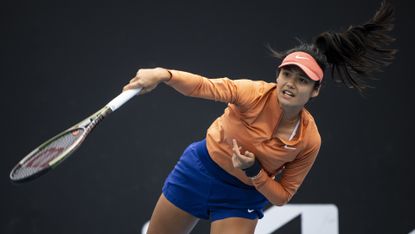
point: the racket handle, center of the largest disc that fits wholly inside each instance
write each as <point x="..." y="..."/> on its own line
<point x="122" y="98"/>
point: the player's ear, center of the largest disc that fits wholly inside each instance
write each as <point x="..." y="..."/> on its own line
<point x="315" y="92"/>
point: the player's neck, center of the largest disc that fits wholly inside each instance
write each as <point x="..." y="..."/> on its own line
<point x="291" y="116"/>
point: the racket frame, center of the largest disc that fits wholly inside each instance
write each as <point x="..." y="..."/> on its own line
<point x="86" y="125"/>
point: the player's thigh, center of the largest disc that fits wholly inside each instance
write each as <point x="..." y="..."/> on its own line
<point x="167" y="218"/>
<point x="233" y="225"/>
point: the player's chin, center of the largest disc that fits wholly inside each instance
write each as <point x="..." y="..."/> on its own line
<point x="287" y="101"/>
<point x="296" y="101"/>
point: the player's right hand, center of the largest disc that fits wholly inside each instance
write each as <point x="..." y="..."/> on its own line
<point x="148" y="79"/>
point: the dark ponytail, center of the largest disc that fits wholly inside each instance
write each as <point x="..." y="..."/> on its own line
<point x="354" y="54"/>
<point x="360" y="50"/>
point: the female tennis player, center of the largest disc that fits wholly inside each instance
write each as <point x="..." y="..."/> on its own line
<point x="230" y="176"/>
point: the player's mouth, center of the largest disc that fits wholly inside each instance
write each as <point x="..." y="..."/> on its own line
<point x="288" y="93"/>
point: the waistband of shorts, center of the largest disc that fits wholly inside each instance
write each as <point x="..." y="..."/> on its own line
<point x="214" y="168"/>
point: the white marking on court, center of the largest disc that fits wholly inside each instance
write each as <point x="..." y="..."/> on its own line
<point x="315" y="218"/>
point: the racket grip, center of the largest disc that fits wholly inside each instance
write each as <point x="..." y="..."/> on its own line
<point x="122" y="98"/>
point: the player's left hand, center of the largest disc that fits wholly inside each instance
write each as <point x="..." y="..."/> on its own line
<point x="241" y="161"/>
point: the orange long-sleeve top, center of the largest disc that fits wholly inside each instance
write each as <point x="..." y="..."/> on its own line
<point x="251" y="117"/>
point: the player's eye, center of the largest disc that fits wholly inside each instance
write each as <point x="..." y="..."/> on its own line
<point x="303" y="80"/>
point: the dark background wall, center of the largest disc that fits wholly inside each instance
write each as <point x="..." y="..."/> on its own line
<point x="62" y="60"/>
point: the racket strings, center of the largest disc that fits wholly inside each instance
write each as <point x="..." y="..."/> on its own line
<point x="41" y="159"/>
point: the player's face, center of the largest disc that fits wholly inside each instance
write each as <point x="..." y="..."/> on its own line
<point x="294" y="87"/>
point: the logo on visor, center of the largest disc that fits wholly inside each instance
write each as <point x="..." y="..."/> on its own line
<point x="301" y="57"/>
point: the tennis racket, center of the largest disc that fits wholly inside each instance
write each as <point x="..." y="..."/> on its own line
<point x="51" y="153"/>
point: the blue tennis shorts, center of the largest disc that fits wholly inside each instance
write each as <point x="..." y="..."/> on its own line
<point x="202" y="188"/>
